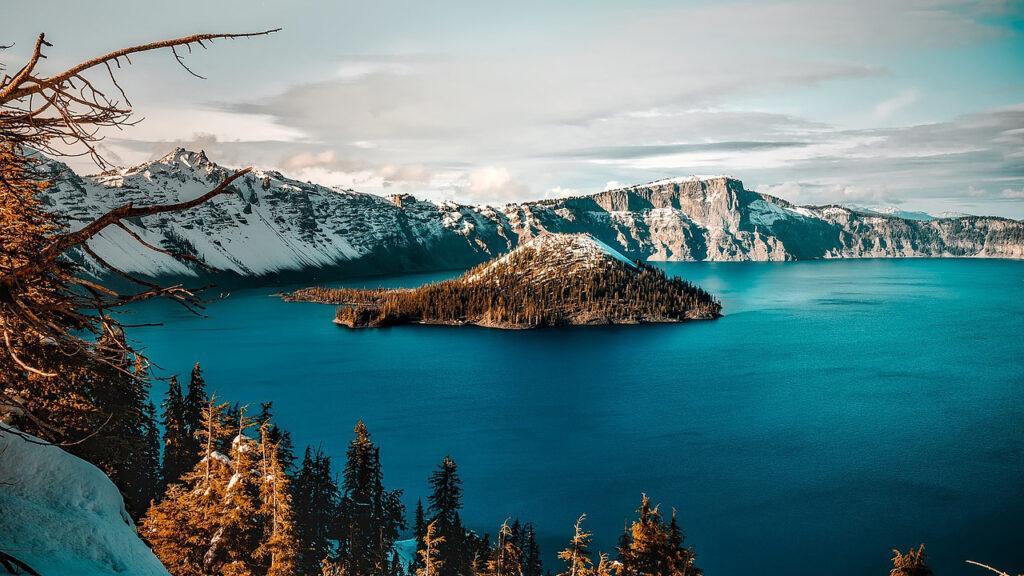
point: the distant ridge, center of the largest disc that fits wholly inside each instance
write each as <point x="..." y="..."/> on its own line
<point x="273" y="226"/>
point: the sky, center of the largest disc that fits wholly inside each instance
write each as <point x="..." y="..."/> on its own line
<point x="917" y="104"/>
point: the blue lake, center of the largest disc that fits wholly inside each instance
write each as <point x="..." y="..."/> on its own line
<point x="838" y="410"/>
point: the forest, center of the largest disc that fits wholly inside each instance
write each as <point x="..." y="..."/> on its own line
<point x="537" y="285"/>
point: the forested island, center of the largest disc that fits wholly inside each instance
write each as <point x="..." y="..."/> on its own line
<point x="551" y="280"/>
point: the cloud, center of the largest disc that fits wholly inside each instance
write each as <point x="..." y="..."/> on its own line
<point x="886" y="108"/>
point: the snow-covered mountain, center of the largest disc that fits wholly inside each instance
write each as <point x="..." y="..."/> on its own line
<point x="271" y="224"/>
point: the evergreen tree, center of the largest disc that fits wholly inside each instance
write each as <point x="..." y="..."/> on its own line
<point x="506" y="558"/>
<point x="650" y="548"/>
<point x="195" y="399"/>
<point x="149" y="458"/>
<point x="176" y="441"/>
<point x="431" y="561"/>
<point x="280" y="547"/>
<point x="577" y="555"/>
<point x="419" y="531"/>
<point x="531" y="553"/>
<point x="315" y="503"/>
<point x="910" y="564"/>
<point x="183" y="528"/>
<point x="280" y="437"/>
<point x="370" y="517"/>
<point x="238" y="534"/>
<point x="444" y="501"/>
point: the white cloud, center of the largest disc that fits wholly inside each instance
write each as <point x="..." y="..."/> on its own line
<point x="887" y="108"/>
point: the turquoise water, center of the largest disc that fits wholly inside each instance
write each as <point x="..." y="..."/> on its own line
<point x="838" y="410"/>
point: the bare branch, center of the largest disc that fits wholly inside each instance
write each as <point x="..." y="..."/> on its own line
<point x="16" y="93"/>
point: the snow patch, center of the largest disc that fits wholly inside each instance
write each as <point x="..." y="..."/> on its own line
<point x="62" y="515"/>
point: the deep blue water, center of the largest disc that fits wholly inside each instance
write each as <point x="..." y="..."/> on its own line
<point x="838" y="410"/>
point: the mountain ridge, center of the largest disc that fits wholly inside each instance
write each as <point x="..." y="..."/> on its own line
<point x="271" y="225"/>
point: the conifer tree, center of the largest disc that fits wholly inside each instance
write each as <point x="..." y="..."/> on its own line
<point x="279" y="549"/>
<point x="650" y="548"/>
<point x="532" y="565"/>
<point x="419" y="531"/>
<point x="910" y="564"/>
<point x="282" y="438"/>
<point x="149" y="457"/>
<point x="238" y="532"/>
<point x="196" y="398"/>
<point x="431" y="561"/>
<point x="445" y="500"/>
<point x="506" y="558"/>
<point x="176" y="442"/>
<point x="315" y="504"/>
<point x="182" y="529"/>
<point x="370" y="517"/>
<point x="577" y="555"/>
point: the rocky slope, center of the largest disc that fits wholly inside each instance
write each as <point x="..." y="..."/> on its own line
<point x="272" y="225"/>
<point x="549" y="280"/>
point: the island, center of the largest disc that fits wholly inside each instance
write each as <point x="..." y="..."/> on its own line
<point x="549" y="280"/>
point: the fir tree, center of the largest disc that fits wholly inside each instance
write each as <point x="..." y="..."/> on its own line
<point x="419" y="531"/>
<point x="531" y="553"/>
<point x="445" y="500"/>
<point x="176" y="441"/>
<point x="315" y="503"/>
<point x="149" y="461"/>
<point x="577" y="555"/>
<point x="506" y="558"/>
<point x="431" y="561"/>
<point x="650" y="548"/>
<point x="910" y="564"/>
<point x="182" y="529"/>
<point x="280" y="546"/>
<point x="280" y="437"/>
<point x="370" y="517"/>
<point x="238" y="534"/>
<point x="195" y="400"/>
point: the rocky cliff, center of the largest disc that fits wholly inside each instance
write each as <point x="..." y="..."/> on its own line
<point x="273" y="225"/>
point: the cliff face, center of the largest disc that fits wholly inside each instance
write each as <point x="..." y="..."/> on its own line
<point x="272" y="224"/>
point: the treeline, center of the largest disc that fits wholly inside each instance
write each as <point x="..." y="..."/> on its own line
<point x="501" y="294"/>
<point x="230" y="497"/>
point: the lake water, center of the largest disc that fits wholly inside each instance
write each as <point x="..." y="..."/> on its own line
<point x="838" y="410"/>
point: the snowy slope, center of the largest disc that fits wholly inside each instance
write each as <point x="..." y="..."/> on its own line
<point x="271" y="224"/>
<point x="63" y="516"/>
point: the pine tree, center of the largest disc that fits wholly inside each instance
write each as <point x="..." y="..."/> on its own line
<point x="910" y="564"/>
<point x="176" y="441"/>
<point x="239" y="531"/>
<point x="650" y="548"/>
<point x="282" y="438"/>
<point x="370" y="517"/>
<point x="445" y="500"/>
<point x="182" y="529"/>
<point x="532" y="565"/>
<point x="280" y="546"/>
<point x="149" y="462"/>
<point x="506" y="558"/>
<point x="431" y="561"/>
<point x="420" y="531"/>
<point x="577" y="555"/>
<point x="315" y="503"/>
